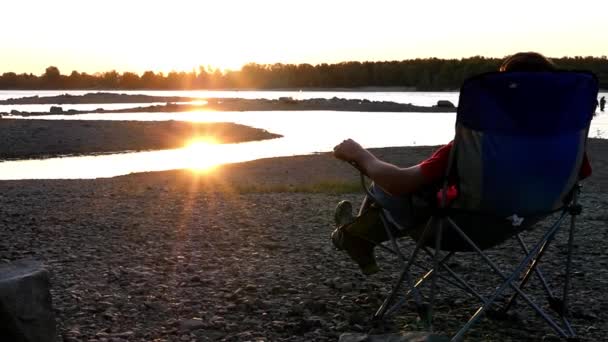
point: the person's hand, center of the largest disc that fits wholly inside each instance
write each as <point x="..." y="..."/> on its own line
<point x="349" y="151"/>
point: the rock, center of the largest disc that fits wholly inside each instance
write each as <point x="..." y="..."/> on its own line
<point x="400" y="337"/>
<point x="191" y="324"/>
<point x="56" y="110"/>
<point x="445" y="104"/>
<point x="288" y="100"/>
<point x="26" y="310"/>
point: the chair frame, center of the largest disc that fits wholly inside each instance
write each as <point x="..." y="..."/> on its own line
<point x="528" y="266"/>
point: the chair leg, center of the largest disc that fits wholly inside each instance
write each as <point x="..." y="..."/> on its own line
<point x="558" y="305"/>
<point x="533" y="268"/>
<point x="423" y="309"/>
<point x="405" y="274"/>
<point x="384" y="308"/>
<point x="429" y="318"/>
<point x="508" y="281"/>
<point x="538" y="271"/>
<point x="461" y="283"/>
<point x="575" y="210"/>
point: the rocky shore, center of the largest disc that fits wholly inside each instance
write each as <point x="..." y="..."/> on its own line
<point x="217" y="104"/>
<point x="180" y="256"/>
<point x="99" y="97"/>
<point x="21" y="139"/>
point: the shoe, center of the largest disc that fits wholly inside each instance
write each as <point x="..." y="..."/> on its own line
<point x="343" y="213"/>
<point x="359" y="237"/>
<point x="361" y="251"/>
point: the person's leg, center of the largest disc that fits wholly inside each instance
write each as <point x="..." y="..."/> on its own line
<point x="408" y="211"/>
<point x="360" y="234"/>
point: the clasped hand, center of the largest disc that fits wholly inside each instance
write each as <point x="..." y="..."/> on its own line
<point x="349" y="151"/>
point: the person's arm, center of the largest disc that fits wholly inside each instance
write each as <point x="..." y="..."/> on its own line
<point x="391" y="178"/>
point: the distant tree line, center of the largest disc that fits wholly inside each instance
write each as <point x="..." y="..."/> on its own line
<point x="421" y="74"/>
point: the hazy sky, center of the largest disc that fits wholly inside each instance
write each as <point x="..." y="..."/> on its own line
<point x="182" y="34"/>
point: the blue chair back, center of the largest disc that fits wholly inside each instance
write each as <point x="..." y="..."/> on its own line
<point x="520" y="139"/>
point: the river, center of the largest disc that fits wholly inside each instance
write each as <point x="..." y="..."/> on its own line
<point x="304" y="132"/>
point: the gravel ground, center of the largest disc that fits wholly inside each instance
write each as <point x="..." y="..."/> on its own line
<point x="173" y="256"/>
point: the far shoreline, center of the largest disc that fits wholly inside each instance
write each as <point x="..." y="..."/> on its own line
<point x="185" y="104"/>
<point x="312" y="89"/>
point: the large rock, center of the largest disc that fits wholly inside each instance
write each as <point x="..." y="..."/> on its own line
<point x="445" y="104"/>
<point x="26" y="310"/>
<point x="398" y="337"/>
<point x="56" y="110"/>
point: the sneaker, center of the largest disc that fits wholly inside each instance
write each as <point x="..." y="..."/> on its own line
<point x="343" y="214"/>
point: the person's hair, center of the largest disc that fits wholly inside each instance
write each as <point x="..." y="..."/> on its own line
<point x="527" y="61"/>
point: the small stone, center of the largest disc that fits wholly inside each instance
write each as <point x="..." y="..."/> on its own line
<point x="191" y="324"/>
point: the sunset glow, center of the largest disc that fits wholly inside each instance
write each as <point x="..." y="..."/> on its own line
<point x="203" y="154"/>
<point x="185" y="34"/>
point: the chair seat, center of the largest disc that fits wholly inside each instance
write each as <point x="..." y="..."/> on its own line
<point x="484" y="230"/>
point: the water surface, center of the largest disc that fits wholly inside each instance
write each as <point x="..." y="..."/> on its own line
<point x="304" y="132"/>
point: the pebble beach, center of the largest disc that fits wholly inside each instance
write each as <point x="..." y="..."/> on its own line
<point x="184" y="256"/>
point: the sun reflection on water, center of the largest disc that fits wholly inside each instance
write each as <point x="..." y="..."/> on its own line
<point x="202" y="154"/>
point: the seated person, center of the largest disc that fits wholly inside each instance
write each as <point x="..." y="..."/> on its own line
<point x="408" y="194"/>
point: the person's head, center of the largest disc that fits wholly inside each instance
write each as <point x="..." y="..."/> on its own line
<point x="527" y="61"/>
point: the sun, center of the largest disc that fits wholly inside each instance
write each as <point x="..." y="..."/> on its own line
<point x="203" y="154"/>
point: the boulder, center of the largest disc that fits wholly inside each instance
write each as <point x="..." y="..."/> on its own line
<point x="418" y="336"/>
<point x="445" y="104"/>
<point x="56" y="110"/>
<point x="288" y="100"/>
<point x="26" y="310"/>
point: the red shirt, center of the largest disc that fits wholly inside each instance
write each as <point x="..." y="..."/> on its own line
<point x="435" y="166"/>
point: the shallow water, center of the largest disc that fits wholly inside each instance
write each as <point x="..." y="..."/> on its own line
<point x="304" y="132"/>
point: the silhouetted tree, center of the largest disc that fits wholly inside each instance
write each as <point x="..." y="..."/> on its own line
<point x="420" y="74"/>
<point x="52" y="78"/>
<point x="129" y="80"/>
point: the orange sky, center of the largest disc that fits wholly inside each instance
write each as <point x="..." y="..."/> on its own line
<point x="181" y="34"/>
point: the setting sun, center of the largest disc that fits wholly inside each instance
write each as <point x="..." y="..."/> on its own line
<point x="203" y="154"/>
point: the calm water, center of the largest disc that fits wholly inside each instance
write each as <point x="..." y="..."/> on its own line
<point x="304" y="132"/>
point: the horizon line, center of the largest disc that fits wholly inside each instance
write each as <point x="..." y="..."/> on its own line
<point x="210" y="68"/>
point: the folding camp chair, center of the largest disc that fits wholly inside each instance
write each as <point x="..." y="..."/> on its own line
<point x="518" y="149"/>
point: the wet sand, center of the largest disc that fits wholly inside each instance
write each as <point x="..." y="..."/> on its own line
<point x="178" y="256"/>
